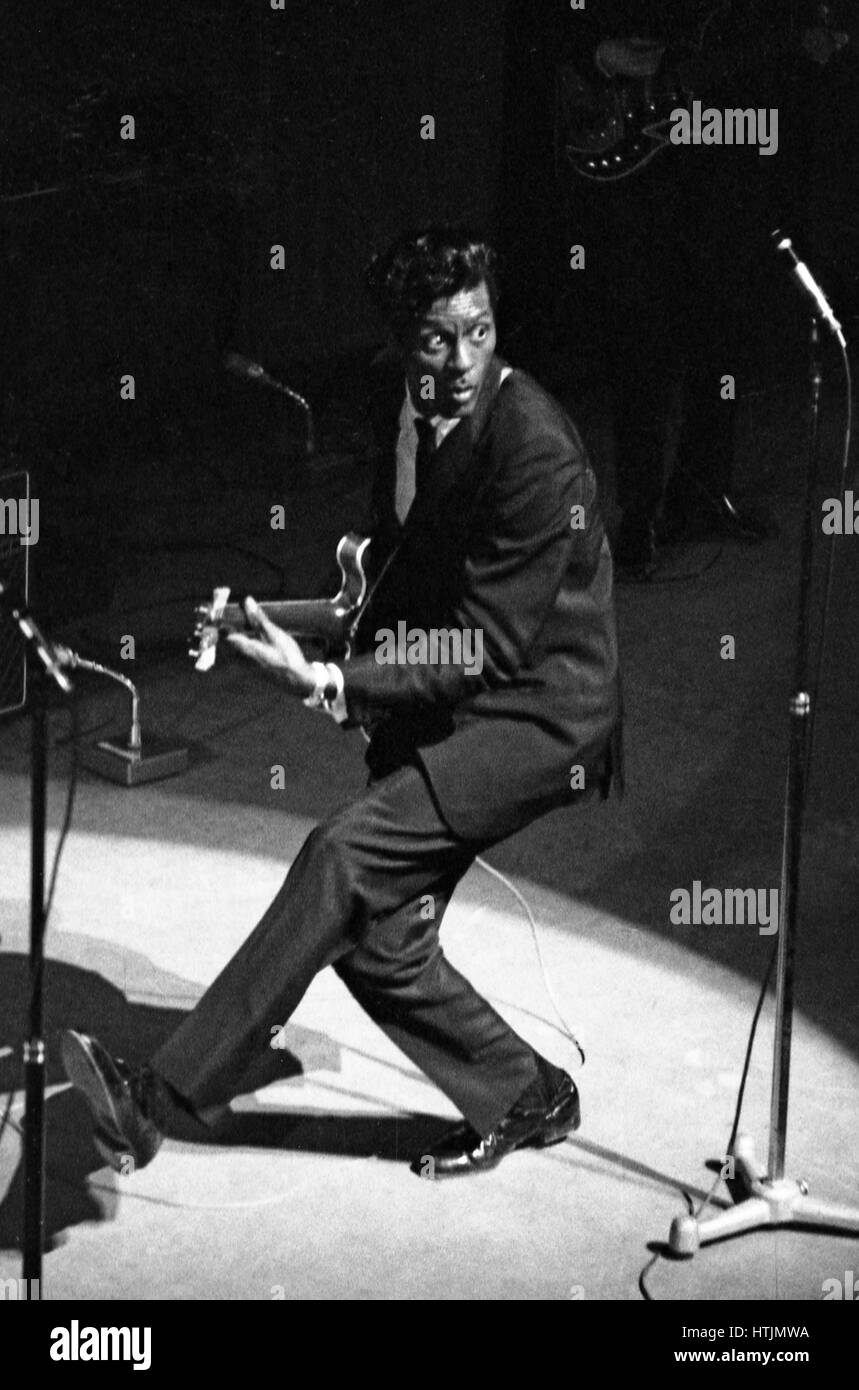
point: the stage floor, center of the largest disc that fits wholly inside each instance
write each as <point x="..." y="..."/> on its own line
<point x="308" y="1194"/>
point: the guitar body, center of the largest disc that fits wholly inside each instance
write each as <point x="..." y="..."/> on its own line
<point x="328" y="623"/>
<point x="625" y="127"/>
<point x="611" y="124"/>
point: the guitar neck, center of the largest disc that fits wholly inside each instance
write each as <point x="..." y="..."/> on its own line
<point x="321" y="619"/>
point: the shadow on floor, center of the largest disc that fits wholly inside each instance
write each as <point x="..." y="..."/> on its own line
<point x="85" y="1000"/>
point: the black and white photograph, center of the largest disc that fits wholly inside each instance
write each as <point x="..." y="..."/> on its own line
<point x="429" y="675"/>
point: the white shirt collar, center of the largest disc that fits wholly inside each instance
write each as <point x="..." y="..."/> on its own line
<point x="441" y="424"/>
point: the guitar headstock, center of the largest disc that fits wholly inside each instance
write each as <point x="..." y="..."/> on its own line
<point x="207" y="630"/>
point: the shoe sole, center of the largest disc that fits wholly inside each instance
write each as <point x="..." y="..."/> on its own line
<point x="85" y="1076"/>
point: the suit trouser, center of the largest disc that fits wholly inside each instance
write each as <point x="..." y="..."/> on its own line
<point x="366" y="893"/>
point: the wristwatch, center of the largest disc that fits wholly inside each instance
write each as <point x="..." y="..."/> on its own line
<point x="326" y="688"/>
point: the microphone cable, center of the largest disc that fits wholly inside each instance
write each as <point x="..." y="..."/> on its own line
<point x="815" y="688"/>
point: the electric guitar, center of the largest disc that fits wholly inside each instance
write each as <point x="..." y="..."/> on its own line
<point x="327" y="623"/>
<point x="612" y="125"/>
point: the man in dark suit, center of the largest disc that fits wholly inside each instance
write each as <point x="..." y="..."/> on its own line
<point x="487" y="671"/>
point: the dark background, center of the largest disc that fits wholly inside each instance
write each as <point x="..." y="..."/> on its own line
<point x="301" y="127"/>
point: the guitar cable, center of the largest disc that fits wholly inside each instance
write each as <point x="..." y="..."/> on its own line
<point x="564" y="1028"/>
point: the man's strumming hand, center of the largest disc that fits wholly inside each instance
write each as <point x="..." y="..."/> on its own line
<point x="277" y="653"/>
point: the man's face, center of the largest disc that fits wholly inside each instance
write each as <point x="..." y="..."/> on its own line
<point x="453" y="343"/>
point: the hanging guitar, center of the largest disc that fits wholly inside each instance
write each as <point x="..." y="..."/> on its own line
<point x="610" y="126"/>
<point x="328" y="624"/>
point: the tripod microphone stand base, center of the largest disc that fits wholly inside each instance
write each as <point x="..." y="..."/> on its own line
<point x="767" y="1203"/>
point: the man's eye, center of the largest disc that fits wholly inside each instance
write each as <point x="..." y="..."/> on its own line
<point x="433" y="342"/>
<point x="480" y="332"/>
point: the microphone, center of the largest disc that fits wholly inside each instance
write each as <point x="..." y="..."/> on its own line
<point x="67" y="657"/>
<point x="244" y="367"/>
<point x="49" y="656"/>
<point x="253" y="371"/>
<point x="806" y="281"/>
<point x="129" y="760"/>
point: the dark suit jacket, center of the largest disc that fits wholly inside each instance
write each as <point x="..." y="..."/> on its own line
<point x="489" y="545"/>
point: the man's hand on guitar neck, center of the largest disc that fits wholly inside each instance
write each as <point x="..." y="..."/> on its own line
<point x="275" y="651"/>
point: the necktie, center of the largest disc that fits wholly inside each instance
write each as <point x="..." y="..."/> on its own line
<point x="425" y="452"/>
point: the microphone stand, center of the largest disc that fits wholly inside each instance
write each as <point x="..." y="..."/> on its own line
<point x="253" y="371"/>
<point x="34" y="1044"/>
<point x="771" y="1199"/>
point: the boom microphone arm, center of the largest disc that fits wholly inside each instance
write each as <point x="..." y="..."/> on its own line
<point x="253" y="371"/>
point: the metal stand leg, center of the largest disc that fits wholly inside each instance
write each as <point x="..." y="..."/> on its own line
<point x="770" y="1202"/>
<point x="773" y="1199"/>
<point x="40" y="650"/>
<point x="34" y="1047"/>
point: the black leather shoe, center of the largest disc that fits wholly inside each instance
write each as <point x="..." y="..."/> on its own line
<point x="546" y="1113"/>
<point x="127" y="1102"/>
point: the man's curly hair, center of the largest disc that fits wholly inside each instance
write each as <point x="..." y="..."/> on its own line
<point x="423" y="266"/>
